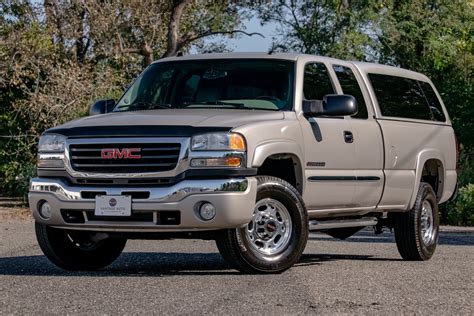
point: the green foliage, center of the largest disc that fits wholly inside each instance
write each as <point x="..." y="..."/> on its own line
<point x="329" y="28"/>
<point x="461" y="212"/>
<point x="57" y="57"/>
<point x="16" y="177"/>
<point x="466" y="175"/>
<point x="434" y="37"/>
<point x="54" y="63"/>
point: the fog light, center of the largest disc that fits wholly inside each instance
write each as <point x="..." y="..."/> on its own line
<point x="45" y="210"/>
<point x="207" y="211"/>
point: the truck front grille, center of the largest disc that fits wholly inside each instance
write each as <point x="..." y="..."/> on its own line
<point x="145" y="157"/>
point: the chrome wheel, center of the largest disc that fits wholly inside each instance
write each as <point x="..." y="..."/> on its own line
<point x="427" y="223"/>
<point x="269" y="231"/>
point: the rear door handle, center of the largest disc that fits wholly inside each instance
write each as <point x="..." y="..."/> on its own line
<point x="348" y="137"/>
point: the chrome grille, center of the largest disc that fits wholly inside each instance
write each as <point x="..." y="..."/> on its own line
<point x="154" y="157"/>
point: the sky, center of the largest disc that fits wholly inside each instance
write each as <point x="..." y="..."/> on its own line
<point x="253" y="43"/>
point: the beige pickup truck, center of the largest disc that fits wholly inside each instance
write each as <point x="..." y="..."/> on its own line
<point x="253" y="151"/>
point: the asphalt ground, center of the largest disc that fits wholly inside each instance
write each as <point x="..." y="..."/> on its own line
<point x="361" y="275"/>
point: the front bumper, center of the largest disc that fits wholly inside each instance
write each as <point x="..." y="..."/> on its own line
<point x="234" y="200"/>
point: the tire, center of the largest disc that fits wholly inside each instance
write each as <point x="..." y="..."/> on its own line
<point x="416" y="231"/>
<point x="277" y="235"/>
<point x="76" y="251"/>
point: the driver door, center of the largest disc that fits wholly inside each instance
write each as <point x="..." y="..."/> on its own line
<point x="329" y="170"/>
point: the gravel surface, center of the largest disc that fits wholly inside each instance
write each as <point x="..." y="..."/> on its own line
<point x="361" y="275"/>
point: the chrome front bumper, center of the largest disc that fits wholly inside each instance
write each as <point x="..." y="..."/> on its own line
<point x="234" y="200"/>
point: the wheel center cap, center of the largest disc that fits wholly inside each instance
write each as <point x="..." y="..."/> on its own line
<point x="271" y="226"/>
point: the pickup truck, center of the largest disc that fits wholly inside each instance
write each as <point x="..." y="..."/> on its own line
<point x="251" y="150"/>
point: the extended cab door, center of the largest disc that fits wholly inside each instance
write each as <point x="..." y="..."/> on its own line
<point x="329" y="167"/>
<point x="367" y="139"/>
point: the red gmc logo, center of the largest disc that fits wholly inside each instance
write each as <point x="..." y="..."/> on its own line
<point x="124" y="153"/>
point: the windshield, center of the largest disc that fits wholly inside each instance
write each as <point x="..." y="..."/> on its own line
<point x="227" y="84"/>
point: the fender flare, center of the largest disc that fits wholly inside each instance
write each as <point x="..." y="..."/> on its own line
<point x="265" y="150"/>
<point x="422" y="157"/>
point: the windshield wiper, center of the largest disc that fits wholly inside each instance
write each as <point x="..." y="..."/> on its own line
<point x="218" y="102"/>
<point x="148" y="106"/>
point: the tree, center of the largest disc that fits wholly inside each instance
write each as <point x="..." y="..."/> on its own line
<point x="59" y="55"/>
<point x="435" y="37"/>
<point x="214" y="22"/>
<point x="339" y="28"/>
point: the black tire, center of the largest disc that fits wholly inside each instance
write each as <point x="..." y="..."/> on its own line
<point x="236" y="248"/>
<point x="409" y="228"/>
<point x="75" y="251"/>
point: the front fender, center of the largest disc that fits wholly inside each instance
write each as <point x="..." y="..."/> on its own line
<point x="265" y="150"/>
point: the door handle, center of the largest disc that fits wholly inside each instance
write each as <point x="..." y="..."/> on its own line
<point x="348" y="137"/>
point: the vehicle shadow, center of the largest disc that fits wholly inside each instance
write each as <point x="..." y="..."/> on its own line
<point x="142" y="264"/>
<point x="458" y="238"/>
<point x="311" y="259"/>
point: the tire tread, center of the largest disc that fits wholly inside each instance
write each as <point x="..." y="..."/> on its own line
<point x="228" y="245"/>
<point x="407" y="234"/>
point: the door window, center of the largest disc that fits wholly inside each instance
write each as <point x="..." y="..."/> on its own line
<point x="350" y="86"/>
<point x="316" y="82"/>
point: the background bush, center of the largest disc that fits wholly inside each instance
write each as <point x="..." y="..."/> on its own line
<point x="462" y="211"/>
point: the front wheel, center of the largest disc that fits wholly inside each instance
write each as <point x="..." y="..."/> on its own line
<point x="416" y="231"/>
<point x="275" y="237"/>
<point x="78" y="251"/>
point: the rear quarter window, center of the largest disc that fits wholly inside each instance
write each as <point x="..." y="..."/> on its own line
<point x="400" y="97"/>
<point x="433" y="102"/>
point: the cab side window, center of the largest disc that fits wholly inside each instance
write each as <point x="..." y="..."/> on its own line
<point x="316" y="82"/>
<point x="400" y="97"/>
<point x="350" y="86"/>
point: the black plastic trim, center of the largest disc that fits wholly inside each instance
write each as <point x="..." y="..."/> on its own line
<point x="123" y="182"/>
<point x="343" y="178"/>
<point x="135" y="131"/>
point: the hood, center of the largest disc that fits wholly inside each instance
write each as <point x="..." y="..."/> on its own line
<point x="172" y="122"/>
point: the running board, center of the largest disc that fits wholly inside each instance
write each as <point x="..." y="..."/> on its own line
<point x="343" y="223"/>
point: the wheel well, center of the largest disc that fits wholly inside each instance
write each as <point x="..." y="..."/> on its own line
<point x="283" y="166"/>
<point x="433" y="175"/>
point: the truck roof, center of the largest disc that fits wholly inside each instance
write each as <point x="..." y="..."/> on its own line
<point x="364" y="67"/>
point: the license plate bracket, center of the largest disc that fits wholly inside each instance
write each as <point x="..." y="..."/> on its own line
<point x="113" y="205"/>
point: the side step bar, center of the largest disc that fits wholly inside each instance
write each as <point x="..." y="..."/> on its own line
<point x="342" y="223"/>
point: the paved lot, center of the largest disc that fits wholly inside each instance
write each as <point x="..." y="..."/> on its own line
<point x="361" y="275"/>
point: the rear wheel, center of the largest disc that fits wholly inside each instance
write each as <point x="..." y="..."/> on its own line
<point x="416" y="231"/>
<point x="275" y="237"/>
<point x="77" y="251"/>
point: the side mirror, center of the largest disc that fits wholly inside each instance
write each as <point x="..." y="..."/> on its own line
<point x="331" y="105"/>
<point x="102" y="106"/>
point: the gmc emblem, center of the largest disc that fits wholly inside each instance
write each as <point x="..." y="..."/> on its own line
<point x="124" y="153"/>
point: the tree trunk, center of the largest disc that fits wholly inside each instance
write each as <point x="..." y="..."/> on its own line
<point x="147" y="54"/>
<point x="81" y="47"/>
<point x="53" y="22"/>
<point x="173" y="28"/>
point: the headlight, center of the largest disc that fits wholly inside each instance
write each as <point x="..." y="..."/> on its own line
<point x="218" y="141"/>
<point x="51" y="151"/>
<point x="51" y="143"/>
